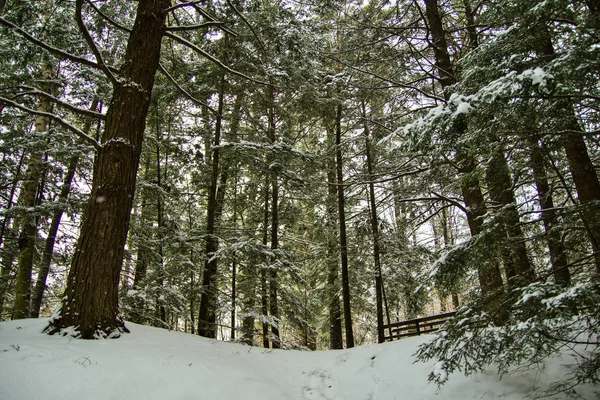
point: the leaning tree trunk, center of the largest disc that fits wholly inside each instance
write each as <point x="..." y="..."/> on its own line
<point x="90" y="302"/>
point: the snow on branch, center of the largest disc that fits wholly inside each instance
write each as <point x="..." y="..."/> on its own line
<point x="57" y="52"/>
<point x="198" y="50"/>
<point x="55" y="118"/>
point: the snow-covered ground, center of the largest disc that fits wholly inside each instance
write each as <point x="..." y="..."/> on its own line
<point x="151" y="363"/>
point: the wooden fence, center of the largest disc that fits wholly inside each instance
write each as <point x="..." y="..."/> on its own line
<point x="417" y="326"/>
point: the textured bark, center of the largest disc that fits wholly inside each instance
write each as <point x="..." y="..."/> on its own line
<point x="263" y="272"/>
<point x="582" y="169"/>
<point x="90" y="301"/>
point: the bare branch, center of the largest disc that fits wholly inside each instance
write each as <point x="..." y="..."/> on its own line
<point x="36" y="92"/>
<point x="214" y="59"/>
<point x="55" y="118"/>
<point x="91" y="44"/>
<point x="264" y="48"/>
<point x="186" y="93"/>
<point x="390" y="81"/>
<point x="193" y="27"/>
<point x="451" y="201"/>
<point x="181" y="5"/>
<point x="57" y="52"/>
<point x="109" y="19"/>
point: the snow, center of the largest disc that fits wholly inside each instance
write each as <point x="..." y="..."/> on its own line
<point x="151" y="363"/>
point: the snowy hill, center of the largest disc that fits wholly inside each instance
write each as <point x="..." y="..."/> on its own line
<point x="152" y="363"/>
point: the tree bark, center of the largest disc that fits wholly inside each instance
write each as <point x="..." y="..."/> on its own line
<point x="90" y="302"/>
<point x="273" y="279"/>
<point x="490" y="278"/>
<point x="208" y="302"/>
<point x="501" y="194"/>
<point x="552" y="228"/>
<point x="263" y="272"/>
<point x="44" y="268"/>
<point x="336" y="340"/>
<point x="28" y="219"/>
<point x="375" y="231"/>
<point x="342" y="226"/>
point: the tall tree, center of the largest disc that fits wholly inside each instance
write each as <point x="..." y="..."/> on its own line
<point x="90" y="302"/>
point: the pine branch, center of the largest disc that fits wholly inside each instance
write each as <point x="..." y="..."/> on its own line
<point x="55" y="118"/>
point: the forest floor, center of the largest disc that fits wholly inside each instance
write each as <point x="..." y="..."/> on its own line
<point x="151" y="363"/>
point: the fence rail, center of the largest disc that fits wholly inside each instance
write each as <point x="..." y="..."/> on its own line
<point x="417" y="326"/>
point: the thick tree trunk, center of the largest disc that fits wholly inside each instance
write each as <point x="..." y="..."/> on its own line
<point x="90" y="302"/>
<point x="342" y="226"/>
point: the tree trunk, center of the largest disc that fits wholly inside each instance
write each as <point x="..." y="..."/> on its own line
<point x="582" y="169"/>
<point x="553" y="230"/>
<point x="90" y="301"/>
<point x="6" y="275"/>
<point x="336" y="340"/>
<point x="263" y="272"/>
<point x="501" y="193"/>
<point x="490" y="278"/>
<point x="342" y="226"/>
<point x="208" y="302"/>
<point x="28" y="219"/>
<point x="44" y="268"/>
<point x="375" y="230"/>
